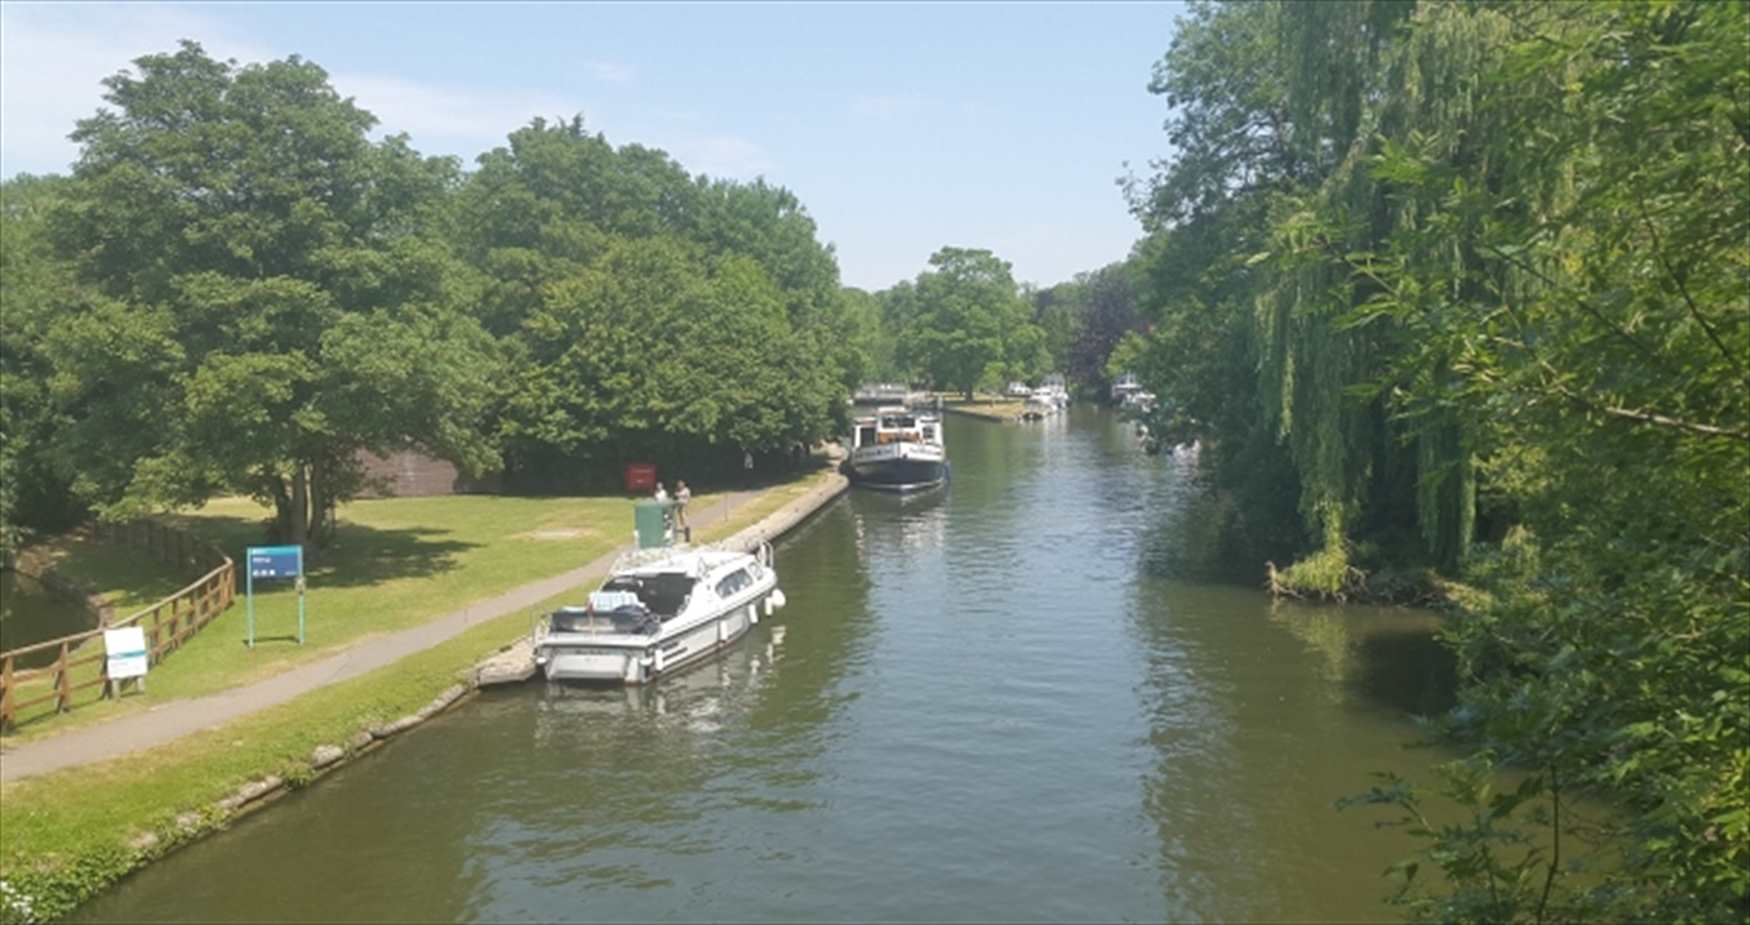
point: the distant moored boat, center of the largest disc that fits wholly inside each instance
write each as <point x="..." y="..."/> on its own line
<point x="898" y="450"/>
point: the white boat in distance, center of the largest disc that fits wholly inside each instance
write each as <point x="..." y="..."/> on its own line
<point x="1039" y="406"/>
<point x="898" y="450"/>
<point x="660" y="610"/>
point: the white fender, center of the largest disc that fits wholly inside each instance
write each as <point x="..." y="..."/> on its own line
<point x="774" y="601"/>
<point x="722" y="631"/>
<point x="753" y="615"/>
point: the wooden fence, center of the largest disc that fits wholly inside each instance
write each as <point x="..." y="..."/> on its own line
<point x="81" y="663"/>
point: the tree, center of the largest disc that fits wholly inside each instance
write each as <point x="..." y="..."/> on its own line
<point x="1482" y="263"/>
<point x="649" y="313"/>
<point x="34" y="282"/>
<point x="966" y="311"/>
<point x="869" y="335"/>
<point x="267" y="296"/>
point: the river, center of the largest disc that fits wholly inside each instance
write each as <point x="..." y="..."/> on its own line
<point x="31" y="612"/>
<point x="1007" y="700"/>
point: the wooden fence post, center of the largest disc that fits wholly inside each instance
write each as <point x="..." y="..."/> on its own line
<point x="63" y="683"/>
<point x="6" y="692"/>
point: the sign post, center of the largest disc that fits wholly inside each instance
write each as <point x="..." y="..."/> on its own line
<point x="268" y="562"/>
<point x="124" y="658"/>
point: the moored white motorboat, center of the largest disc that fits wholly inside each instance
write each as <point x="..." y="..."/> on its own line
<point x="660" y="610"/>
<point x="1038" y="408"/>
<point x="898" y="450"/>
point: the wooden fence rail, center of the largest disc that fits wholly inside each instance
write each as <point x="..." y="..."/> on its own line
<point x="167" y="624"/>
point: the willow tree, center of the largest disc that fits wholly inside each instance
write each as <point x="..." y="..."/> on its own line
<point x="264" y="297"/>
<point x="1567" y="259"/>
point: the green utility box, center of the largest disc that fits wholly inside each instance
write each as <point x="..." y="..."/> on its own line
<point x="650" y="518"/>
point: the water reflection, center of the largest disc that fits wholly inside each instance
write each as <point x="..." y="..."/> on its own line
<point x="30" y="612"/>
<point x="1003" y="700"/>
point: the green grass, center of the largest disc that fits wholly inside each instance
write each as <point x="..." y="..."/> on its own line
<point x="126" y="577"/>
<point x="394" y="563"/>
<point x="67" y="835"/>
<point x="996" y="407"/>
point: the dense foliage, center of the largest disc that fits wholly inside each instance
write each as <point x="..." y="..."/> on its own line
<point x="965" y="324"/>
<point x="649" y="314"/>
<point x="238" y="290"/>
<point x="1474" y="278"/>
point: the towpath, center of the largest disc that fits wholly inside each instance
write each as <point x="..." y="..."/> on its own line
<point x="174" y="719"/>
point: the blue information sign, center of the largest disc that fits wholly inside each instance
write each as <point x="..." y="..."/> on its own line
<point x="273" y="562"/>
<point x="276" y="561"/>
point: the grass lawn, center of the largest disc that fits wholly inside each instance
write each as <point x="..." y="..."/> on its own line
<point x="128" y="578"/>
<point x="992" y="406"/>
<point x="394" y="563"/>
<point x="66" y="835"/>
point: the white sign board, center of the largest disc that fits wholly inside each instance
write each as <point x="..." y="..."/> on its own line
<point x="126" y="648"/>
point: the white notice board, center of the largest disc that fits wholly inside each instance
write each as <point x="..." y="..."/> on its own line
<point x="126" y="648"/>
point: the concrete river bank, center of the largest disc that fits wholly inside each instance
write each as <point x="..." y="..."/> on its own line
<point x="1013" y="699"/>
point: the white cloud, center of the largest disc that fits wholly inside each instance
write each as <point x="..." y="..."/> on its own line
<point x="446" y="115"/>
<point x="728" y="156"/>
<point x="611" y="71"/>
<point x="890" y="106"/>
<point x="53" y="59"/>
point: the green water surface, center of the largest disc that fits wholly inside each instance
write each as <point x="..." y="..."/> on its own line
<point x="1008" y="700"/>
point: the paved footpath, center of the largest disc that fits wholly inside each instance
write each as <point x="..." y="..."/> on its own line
<point x="174" y="719"/>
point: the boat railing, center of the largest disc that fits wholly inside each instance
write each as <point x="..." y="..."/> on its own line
<point x="644" y="558"/>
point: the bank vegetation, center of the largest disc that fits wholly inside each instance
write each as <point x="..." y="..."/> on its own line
<point x="1462" y="290"/>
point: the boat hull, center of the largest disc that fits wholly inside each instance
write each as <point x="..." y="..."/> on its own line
<point x="903" y="471"/>
<point x="659" y="656"/>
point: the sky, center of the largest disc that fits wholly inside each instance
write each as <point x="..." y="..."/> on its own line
<point x="902" y="127"/>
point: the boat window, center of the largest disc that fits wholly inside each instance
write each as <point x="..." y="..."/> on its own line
<point x="733" y="582"/>
<point x="866" y="436"/>
<point x="929" y="432"/>
<point x="896" y="421"/>
<point x="633" y="619"/>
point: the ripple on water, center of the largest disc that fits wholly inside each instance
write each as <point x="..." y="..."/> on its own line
<point x="994" y="701"/>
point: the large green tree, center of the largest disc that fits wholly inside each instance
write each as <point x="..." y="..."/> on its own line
<point x="648" y="313"/>
<point x="266" y="297"/>
<point x="33" y="280"/>
<point x="965" y="315"/>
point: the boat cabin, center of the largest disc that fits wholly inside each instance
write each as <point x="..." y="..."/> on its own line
<point x="895" y="425"/>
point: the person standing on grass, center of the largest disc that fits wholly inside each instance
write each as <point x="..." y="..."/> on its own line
<point x="683" y="495"/>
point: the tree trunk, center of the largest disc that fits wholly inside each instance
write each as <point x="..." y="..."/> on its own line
<point x="300" y="505"/>
<point x="282" y="507"/>
<point x="319" y="504"/>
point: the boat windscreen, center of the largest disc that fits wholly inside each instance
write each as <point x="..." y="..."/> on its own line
<point x="664" y="593"/>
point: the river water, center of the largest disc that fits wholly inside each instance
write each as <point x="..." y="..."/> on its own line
<point x="1007" y="700"/>
<point x="30" y="612"/>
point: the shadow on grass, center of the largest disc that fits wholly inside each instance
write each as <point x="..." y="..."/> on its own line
<point x="265" y="639"/>
<point x="358" y="555"/>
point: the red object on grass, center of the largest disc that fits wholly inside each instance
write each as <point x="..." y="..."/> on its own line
<point x="640" y="477"/>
